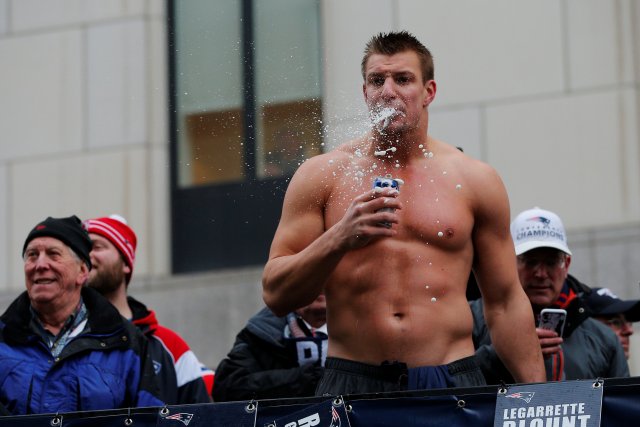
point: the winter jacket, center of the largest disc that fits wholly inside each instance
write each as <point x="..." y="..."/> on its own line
<point x="590" y="349"/>
<point x="106" y="366"/>
<point x="180" y="374"/>
<point x="265" y="364"/>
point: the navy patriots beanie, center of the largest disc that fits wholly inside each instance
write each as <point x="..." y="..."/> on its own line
<point x="68" y="230"/>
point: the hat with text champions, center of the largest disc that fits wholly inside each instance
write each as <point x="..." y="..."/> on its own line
<point x="603" y="302"/>
<point x="114" y="228"/>
<point x="538" y="228"/>
<point x="68" y="230"/>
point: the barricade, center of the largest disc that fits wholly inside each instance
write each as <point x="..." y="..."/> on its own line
<point x="460" y="407"/>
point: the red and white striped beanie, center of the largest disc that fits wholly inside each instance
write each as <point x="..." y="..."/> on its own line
<point x="115" y="229"/>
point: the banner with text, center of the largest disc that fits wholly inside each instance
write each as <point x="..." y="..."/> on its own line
<point x="564" y="404"/>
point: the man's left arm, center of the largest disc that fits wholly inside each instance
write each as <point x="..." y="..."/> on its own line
<point x="491" y="365"/>
<point x="507" y="309"/>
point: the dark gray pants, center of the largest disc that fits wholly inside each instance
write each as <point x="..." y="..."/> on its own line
<point x="343" y="376"/>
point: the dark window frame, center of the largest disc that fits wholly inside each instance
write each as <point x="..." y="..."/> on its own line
<point x="227" y="225"/>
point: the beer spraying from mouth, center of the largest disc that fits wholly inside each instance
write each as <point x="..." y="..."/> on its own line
<point x="382" y="117"/>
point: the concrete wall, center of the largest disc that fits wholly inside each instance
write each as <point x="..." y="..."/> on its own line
<point x="546" y="91"/>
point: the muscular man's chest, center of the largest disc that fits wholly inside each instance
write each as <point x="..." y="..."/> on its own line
<point x="435" y="209"/>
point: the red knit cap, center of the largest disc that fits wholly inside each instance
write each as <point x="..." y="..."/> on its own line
<point x="115" y="229"/>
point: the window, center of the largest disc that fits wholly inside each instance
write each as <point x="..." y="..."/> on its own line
<point x="245" y="112"/>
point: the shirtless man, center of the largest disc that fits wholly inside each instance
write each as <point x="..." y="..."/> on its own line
<point x="396" y="309"/>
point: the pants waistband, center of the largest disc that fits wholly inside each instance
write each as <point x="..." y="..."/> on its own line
<point x="393" y="371"/>
<point x="387" y="371"/>
<point x="465" y="364"/>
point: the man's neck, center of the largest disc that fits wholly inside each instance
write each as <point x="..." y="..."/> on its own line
<point x="54" y="318"/>
<point x="119" y="300"/>
<point x="401" y="148"/>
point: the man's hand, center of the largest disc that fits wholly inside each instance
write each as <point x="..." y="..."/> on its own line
<point x="361" y="222"/>
<point x="549" y="342"/>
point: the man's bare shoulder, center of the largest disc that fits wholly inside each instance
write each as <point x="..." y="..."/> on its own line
<point x="475" y="170"/>
<point x="314" y="180"/>
<point x="324" y="165"/>
<point x="482" y="174"/>
<point x="484" y="185"/>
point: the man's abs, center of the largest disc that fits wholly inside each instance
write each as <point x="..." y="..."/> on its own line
<point x="402" y="307"/>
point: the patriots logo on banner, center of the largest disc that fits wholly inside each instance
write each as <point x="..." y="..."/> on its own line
<point x="524" y="395"/>
<point x="335" y="418"/>
<point x="183" y="417"/>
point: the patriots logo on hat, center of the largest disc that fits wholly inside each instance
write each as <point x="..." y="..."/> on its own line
<point x="523" y="395"/>
<point x="41" y="227"/>
<point x="183" y="417"/>
<point x="544" y="221"/>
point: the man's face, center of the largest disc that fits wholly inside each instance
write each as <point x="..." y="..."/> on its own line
<point x="542" y="273"/>
<point x="395" y="81"/>
<point x="109" y="269"/>
<point x="54" y="276"/>
<point x="622" y="328"/>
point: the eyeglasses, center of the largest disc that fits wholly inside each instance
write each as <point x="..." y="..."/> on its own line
<point x="550" y="263"/>
<point x="618" y="323"/>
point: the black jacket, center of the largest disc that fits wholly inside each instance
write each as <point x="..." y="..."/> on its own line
<point x="263" y="364"/>
<point x="591" y="350"/>
<point x="179" y="372"/>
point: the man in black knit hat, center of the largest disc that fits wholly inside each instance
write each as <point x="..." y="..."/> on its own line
<point x="64" y="347"/>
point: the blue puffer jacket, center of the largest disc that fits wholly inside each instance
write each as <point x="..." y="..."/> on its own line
<point x="105" y="367"/>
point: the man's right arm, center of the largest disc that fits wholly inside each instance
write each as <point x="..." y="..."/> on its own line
<point x="300" y="252"/>
<point x="303" y="254"/>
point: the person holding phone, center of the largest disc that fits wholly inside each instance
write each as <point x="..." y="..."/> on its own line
<point x="574" y="346"/>
<point x="553" y="319"/>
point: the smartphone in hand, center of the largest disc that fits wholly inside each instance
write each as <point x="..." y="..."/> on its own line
<point x="553" y="319"/>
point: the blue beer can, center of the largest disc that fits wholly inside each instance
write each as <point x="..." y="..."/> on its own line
<point x="386" y="182"/>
